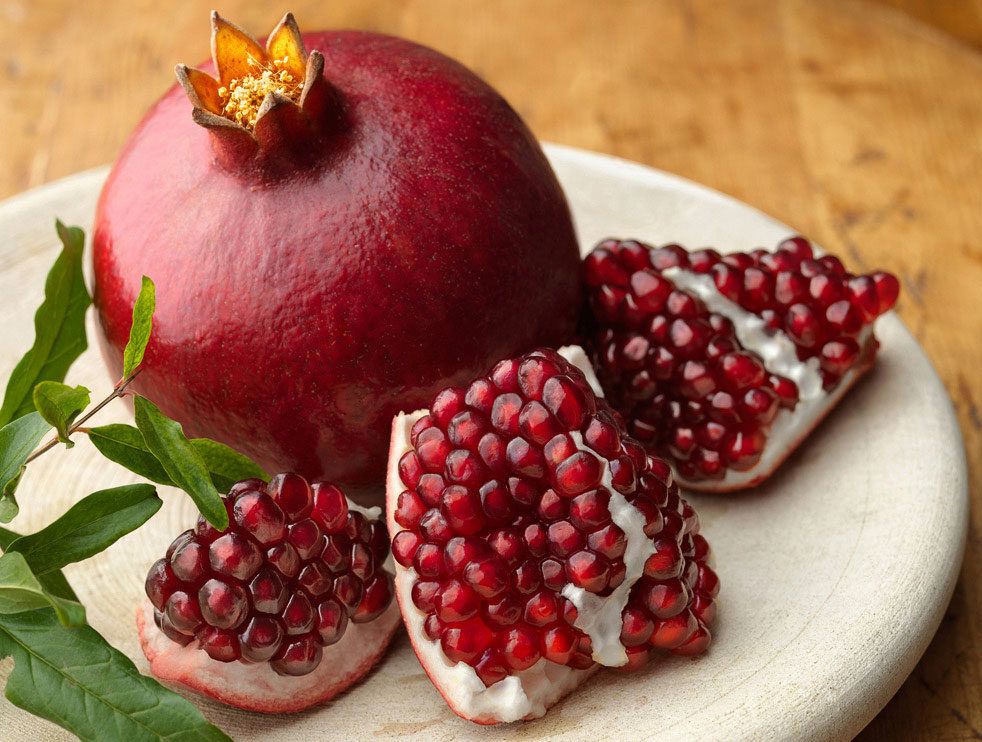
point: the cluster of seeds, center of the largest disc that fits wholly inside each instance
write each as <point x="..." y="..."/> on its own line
<point x="507" y="502"/>
<point x="280" y="583"/>
<point x="243" y="97"/>
<point x="677" y="372"/>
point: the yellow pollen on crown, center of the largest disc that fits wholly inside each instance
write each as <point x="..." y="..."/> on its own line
<point x="242" y="98"/>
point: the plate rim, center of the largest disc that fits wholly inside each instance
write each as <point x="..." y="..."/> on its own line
<point x="862" y="709"/>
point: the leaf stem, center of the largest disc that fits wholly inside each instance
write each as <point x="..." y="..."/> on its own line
<point x="117" y="391"/>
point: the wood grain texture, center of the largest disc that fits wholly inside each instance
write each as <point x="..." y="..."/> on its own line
<point x="860" y="123"/>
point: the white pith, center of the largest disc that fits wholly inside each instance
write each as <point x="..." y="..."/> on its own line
<point x="576" y="356"/>
<point x="528" y="693"/>
<point x="371" y="513"/>
<point x="600" y="618"/>
<point x="780" y="357"/>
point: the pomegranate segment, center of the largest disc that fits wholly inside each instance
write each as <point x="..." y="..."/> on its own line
<point x="723" y="364"/>
<point x="297" y="567"/>
<point x="531" y="535"/>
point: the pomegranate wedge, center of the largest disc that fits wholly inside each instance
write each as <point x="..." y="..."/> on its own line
<point x="534" y="540"/>
<point x="724" y="364"/>
<point x="284" y="609"/>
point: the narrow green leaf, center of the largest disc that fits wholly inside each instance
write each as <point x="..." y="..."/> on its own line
<point x="180" y="460"/>
<point x="17" y="440"/>
<point x="54" y="582"/>
<point x="21" y="591"/>
<point x="226" y="465"/>
<point x="88" y="527"/>
<point x="59" y="328"/>
<point x="140" y="329"/>
<point x="74" y="678"/>
<point x="60" y="404"/>
<point x="124" y="445"/>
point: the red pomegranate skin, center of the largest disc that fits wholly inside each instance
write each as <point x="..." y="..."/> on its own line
<point x="299" y="309"/>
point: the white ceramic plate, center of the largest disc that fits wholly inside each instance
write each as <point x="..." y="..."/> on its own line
<point x="835" y="573"/>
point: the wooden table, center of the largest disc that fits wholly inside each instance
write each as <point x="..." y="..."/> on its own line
<point x="857" y="122"/>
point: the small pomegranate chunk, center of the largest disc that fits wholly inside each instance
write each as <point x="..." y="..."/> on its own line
<point x="294" y="566"/>
<point x="573" y="508"/>
<point x="667" y="330"/>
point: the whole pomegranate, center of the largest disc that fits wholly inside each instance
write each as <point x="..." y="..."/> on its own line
<point x="334" y="237"/>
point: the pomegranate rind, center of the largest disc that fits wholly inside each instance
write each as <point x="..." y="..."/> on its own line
<point x="526" y="695"/>
<point x="256" y="687"/>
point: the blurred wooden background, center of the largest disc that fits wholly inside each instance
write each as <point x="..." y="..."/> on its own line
<point x="857" y="121"/>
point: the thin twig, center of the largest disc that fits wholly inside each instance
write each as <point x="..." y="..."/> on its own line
<point x="117" y="392"/>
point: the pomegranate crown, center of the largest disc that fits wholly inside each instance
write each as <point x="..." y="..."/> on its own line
<point x="261" y="94"/>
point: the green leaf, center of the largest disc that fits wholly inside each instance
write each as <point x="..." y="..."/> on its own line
<point x="74" y="678"/>
<point x="21" y="591"/>
<point x="7" y="537"/>
<point x="180" y="460"/>
<point x="125" y="445"/>
<point x="226" y="465"/>
<point x="59" y="328"/>
<point x="60" y="404"/>
<point x="88" y="527"/>
<point x="140" y="329"/>
<point x="17" y="440"/>
<point x="54" y="582"/>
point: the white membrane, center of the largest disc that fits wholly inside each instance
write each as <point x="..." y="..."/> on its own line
<point x="575" y="355"/>
<point x="600" y="618"/>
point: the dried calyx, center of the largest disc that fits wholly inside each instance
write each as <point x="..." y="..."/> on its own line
<point x="263" y="94"/>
